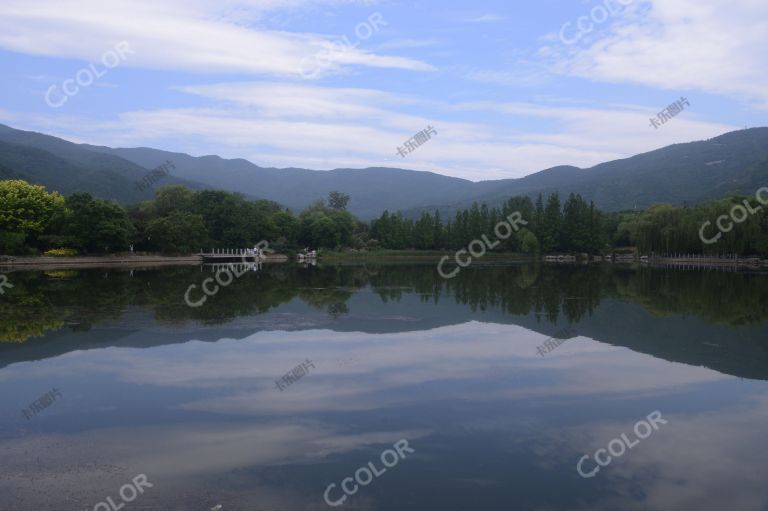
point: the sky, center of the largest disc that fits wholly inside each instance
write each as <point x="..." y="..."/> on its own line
<point x="507" y="87"/>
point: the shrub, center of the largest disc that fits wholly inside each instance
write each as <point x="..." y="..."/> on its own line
<point x="62" y="252"/>
<point x="61" y="274"/>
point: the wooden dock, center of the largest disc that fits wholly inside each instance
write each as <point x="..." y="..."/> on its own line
<point x="240" y="255"/>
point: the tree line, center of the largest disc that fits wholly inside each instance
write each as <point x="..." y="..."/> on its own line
<point x="576" y="226"/>
<point x="181" y="221"/>
<point x="664" y="229"/>
<point x="177" y="221"/>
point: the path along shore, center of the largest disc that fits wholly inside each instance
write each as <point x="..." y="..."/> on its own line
<point x="113" y="261"/>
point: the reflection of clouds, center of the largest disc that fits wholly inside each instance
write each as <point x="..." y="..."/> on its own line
<point x="240" y="374"/>
<point x="392" y="362"/>
<point x="696" y="461"/>
<point x="172" y="455"/>
<point x="707" y="461"/>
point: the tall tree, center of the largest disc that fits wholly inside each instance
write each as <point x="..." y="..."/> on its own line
<point x="551" y="224"/>
<point x="26" y="211"/>
<point x="97" y="225"/>
<point x="179" y="232"/>
<point x="338" y="200"/>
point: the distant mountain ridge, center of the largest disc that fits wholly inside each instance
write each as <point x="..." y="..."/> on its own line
<point x="372" y="190"/>
<point x="694" y="172"/>
<point x="68" y="168"/>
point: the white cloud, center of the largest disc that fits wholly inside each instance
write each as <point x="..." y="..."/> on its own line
<point x="716" y="46"/>
<point x="191" y="36"/>
<point x="675" y="466"/>
<point x="285" y="122"/>
<point x="282" y="125"/>
<point x="277" y="100"/>
<point x="399" y="44"/>
<point x="485" y="18"/>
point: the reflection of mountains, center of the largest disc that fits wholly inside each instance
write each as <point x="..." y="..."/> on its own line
<point x="681" y="317"/>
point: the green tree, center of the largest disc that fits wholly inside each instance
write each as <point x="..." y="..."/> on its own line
<point x="178" y="232"/>
<point x="97" y="225"/>
<point x="171" y="198"/>
<point x="26" y="211"/>
<point x="576" y="222"/>
<point x="338" y="200"/>
<point x="528" y="242"/>
<point x="228" y="218"/>
<point x="323" y="227"/>
<point x="423" y="233"/>
<point x="550" y="236"/>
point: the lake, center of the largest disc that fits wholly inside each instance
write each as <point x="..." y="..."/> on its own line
<point x="514" y="387"/>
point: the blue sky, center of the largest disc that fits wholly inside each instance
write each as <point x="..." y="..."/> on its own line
<point x="504" y="83"/>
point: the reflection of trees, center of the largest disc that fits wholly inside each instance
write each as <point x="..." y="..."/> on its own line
<point x="528" y="275"/>
<point x="26" y="312"/>
<point x="574" y="292"/>
<point x="42" y="302"/>
<point x="255" y="292"/>
<point x="19" y="326"/>
<point x="717" y="297"/>
<point x="522" y="289"/>
<point x="338" y="309"/>
<point x="61" y="274"/>
<point x="324" y="287"/>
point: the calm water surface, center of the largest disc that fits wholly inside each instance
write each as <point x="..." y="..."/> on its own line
<point x="459" y="369"/>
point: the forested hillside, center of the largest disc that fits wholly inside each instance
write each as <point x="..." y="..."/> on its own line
<point x="734" y="163"/>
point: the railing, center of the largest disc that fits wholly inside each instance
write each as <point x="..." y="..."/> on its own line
<point x="238" y="267"/>
<point x="233" y="252"/>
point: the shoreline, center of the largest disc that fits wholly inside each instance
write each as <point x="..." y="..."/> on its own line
<point x="134" y="261"/>
<point x="415" y="255"/>
<point x="131" y="261"/>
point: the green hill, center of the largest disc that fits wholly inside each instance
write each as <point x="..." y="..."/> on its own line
<point x="695" y="172"/>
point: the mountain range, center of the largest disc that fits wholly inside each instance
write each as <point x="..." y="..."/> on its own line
<point x="736" y="162"/>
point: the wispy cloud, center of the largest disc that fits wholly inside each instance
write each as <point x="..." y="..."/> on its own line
<point x="682" y="45"/>
<point x="399" y="44"/>
<point x="485" y="18"/>
<point x="279" y="124"/>
<point x="189" y="36"/>
<point x="491" y="100"/>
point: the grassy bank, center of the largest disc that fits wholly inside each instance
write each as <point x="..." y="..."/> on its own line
<point x="414" y="255"/>
<point x="126" y="260"/>
<point x="113" y="260"/>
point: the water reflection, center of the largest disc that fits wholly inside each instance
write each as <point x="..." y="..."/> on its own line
<point x="640" y="309"/>
<point x="188" y="396"/>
